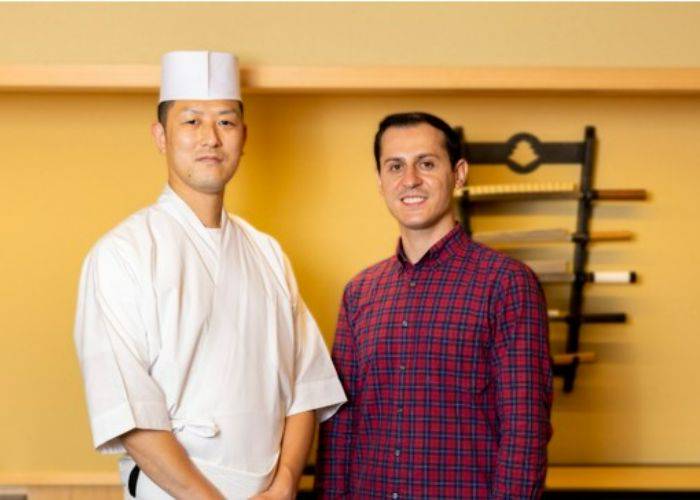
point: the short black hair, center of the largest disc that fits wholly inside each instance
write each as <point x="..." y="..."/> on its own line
<point x="163" y="109"/>
<point x="165" y="106"/>
<point x="453" y="143"/>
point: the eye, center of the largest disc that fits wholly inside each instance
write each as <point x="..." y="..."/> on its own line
<point x="394" y="167"/>
<point x="427" y="165"/>
<point x="227" y="123"/>
<point x="192" y="121"/>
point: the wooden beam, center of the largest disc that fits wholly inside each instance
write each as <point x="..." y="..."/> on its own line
<point x="365" y="79"/>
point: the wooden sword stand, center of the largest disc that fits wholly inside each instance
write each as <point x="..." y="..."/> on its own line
<point x="583" y="193"/>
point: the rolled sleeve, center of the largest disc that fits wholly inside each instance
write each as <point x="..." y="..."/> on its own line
<point x="108" y="426"/>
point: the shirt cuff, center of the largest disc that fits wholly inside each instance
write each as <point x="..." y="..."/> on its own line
<point x="108" y="426"/>
<point x="324" y="396"/>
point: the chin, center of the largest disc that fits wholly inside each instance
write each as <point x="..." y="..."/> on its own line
<point x="209" y="187"/>
<point x="417" y="224"/>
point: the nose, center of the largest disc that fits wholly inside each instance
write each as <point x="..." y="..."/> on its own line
<point x="411" y="177"/>
<point x="210" y="135"/>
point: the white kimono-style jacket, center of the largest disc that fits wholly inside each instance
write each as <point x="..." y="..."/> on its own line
<point x="178" y="331"/>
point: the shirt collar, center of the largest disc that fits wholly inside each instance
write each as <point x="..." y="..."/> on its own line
<point x="170" y="196"/>
<point x="179" y="208"/>
<point x="450" y="244"/>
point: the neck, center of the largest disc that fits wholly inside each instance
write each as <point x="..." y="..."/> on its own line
<point x="206" y="206"/>
<point x="417" y="242"/>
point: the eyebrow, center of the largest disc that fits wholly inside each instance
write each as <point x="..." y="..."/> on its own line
<point x="421" y="156"/>
<point x="222" y="112"/>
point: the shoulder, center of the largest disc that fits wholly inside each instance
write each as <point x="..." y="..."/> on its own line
<point x="364" y="282"/>
<point x="496" y="266"/>
<point x="508" y="279"/>
<point x="124" y="245"/>
<point x="271" y="257"/>
<point x="251" y="231"/>
<point x="263" y="241"/>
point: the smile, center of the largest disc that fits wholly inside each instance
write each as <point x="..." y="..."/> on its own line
<point x="413" y="200"/>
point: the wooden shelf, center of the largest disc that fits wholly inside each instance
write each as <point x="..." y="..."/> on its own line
<point x="530" y="195"/>
<point x="365" y="79"/>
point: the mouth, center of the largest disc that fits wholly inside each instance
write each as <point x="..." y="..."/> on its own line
<point x="413" y="200"/>
<point x="209" y="159"/>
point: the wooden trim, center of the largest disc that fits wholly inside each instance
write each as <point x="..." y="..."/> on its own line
<point x="641" y="478"/>
<point x="53" y="478"/>
<point x="46" y="78"/>
<point x="392" y="79"/>
<point x="560" y="477"/>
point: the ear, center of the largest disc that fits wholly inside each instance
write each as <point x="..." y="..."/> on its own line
<point x="158" y="133"/>
<point x="461" y="170"/>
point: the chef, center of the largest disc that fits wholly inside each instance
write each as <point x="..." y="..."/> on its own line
<point x="201" y="361"/>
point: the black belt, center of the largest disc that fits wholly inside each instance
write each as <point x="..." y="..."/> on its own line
<point x="133" y="479"/>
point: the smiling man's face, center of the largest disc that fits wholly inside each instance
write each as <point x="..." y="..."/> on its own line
<point x="416" y="178"/>
<point x="203" y="142"/>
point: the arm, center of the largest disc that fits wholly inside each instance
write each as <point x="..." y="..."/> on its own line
<point x="296" y="442"/>
<point x="335" y="443"/>
<point x="524" y="388"/>
<point x="128" y="410"/>
<point x="161" y="457"/>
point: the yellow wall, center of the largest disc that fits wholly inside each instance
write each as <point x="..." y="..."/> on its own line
<point x="451" y="34"/>
<point x="74" y="165"/>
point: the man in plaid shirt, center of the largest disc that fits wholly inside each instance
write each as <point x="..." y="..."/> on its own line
<point x="442" y="348"/>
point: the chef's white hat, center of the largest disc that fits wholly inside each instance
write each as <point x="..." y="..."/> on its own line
<point x="199" y="75"/>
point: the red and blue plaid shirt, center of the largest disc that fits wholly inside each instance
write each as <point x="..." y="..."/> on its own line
<point x="448" y="375"/>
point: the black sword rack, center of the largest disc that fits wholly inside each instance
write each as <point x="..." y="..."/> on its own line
<point x="574" y="153"/>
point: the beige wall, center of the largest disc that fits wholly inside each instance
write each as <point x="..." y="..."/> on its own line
<point x="75" y="165"/>
<point x="452" y="34"/>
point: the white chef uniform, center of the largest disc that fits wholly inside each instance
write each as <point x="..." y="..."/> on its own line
<point x="179" y="330"/>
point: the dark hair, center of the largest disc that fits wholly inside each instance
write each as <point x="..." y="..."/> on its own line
<point x="165" y="106"/>
<point x="453" y="143"/>
<point x="163" y="109"/>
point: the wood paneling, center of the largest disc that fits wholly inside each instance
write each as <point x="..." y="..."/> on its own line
<point x="285" y="79"/>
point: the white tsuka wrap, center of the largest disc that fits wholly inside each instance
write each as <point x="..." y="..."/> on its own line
<point x="613" y="277"/>
<point x="199" y="75"/>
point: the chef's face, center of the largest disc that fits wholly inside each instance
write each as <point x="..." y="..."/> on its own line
<point x="416" y="178"/>
<point x="203" y="142"/>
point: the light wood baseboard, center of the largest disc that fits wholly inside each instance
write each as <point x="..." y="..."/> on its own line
<point x="641" y="478"/>
<point x="650" y="478"/>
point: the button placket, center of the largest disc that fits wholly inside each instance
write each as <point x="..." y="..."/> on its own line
<point x="412" y="282"/>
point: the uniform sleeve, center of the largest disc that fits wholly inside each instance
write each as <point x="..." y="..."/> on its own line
<point x="112" y="349"/>
<point x="316" y="384"/>
<point x="524" y="387"/>
<point x="335" y="438"/>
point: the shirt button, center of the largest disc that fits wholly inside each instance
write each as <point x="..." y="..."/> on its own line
<point x="394" y="495"/>
<point x="397" y="452"/>
<point x="402" y="367"/>
<point x="399" y="410"/>
<point x="412" y="283"/>
<point x="404" y="323"/>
